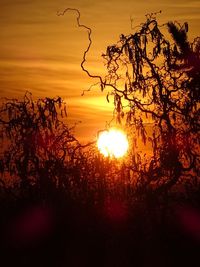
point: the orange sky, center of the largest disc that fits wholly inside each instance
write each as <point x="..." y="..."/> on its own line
<point x="42" y="52"/>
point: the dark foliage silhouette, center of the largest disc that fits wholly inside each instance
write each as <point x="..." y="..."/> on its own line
<point x="64" y="204"/>
<point x="35" y="140"/>
<point x="154" y="78"/>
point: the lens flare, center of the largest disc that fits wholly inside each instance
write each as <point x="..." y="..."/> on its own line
<point x="113" y="143"/>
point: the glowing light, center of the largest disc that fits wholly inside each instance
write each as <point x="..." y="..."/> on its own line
<point x="113" y="143"/>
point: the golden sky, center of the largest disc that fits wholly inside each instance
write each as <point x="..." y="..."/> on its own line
<point x="42" y="52"/>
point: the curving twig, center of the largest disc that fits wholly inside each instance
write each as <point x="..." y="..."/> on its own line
<point x="89" y="31"/>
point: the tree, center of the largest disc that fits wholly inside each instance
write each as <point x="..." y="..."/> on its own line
<point x="39" y="146"/>
<point x="153" y="77"/>
<point x="158" y="78"/>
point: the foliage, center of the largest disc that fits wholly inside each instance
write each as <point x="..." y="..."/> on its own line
<point x="91" y="205"/>
<point x="41" y="156"/>
<point x="154" y="79"/>
<point x="36" y="141"/>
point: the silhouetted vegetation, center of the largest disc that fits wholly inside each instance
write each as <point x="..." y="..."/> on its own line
<point x="64" y="204"/>
<point x="158" y="79"/>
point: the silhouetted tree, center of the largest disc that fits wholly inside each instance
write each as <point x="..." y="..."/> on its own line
<point x="38" y="147"/>
<point x="152" y="78"/>
<point x="157" y="78"/>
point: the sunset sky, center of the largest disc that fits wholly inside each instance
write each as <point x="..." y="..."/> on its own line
<point x="42" y="52"/>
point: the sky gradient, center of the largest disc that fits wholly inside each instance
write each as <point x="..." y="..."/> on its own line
<point x="42" y="52"/>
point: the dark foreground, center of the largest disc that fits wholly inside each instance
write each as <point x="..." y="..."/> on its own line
<point x="58" y="231"/>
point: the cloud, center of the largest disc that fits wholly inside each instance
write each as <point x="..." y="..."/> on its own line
<point x="42" y="52"/>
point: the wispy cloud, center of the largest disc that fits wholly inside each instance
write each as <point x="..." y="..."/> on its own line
<point x="42" y="52"/>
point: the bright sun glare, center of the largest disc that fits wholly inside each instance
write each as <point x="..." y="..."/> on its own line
<point x="113" y="143"/>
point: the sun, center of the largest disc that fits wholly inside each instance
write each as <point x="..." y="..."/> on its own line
<point x="113" y="143"/>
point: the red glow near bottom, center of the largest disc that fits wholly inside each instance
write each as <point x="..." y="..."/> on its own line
<point x="190" y="221"/>
<point x="115" y="210"/>
<point x="31" y="225"/>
